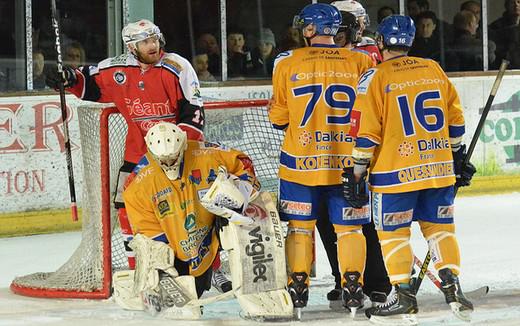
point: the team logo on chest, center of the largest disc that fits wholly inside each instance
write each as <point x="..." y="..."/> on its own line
<point x="119" y="77"/>
<point x="212" y="176"/>
<point x="195" y="176"/>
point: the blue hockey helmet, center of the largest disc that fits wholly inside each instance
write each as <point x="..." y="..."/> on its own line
<point x="325" y="17"/>
<point x="397" y="30"/>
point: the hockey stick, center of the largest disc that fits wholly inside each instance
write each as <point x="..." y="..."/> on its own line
<point x="68" y="155"/>
<point x="477" y="293"/>
<point x="471" y="148"/>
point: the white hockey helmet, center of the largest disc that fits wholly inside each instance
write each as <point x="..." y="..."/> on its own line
<point x="354" y="8"/>
<point x="167" y="143"/>
<point x="141" y="30"/>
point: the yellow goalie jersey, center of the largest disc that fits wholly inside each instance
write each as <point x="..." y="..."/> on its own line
<point x="313" y="95"/>
<point x="410" y="114"/>
<point x="170" y="211"/>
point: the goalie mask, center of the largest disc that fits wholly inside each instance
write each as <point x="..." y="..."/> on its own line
<point x="167" y="143"/>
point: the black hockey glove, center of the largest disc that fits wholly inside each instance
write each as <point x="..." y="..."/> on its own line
<point x="463" y="172"/>
<point x="68" y="78"/>
<point x="354" y="192"/>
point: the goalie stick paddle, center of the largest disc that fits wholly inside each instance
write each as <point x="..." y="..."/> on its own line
<point x="471" y="148"/>
<point x="63" y="104"/>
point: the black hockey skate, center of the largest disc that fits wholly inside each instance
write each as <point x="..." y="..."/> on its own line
<point x="377" y="298"/>
<point x="460" y="306"/>
<point x="399" y="309"/>
<point x="220" y="281"/>
<point x="353" y="296"/>
<point x="299" y="292"/>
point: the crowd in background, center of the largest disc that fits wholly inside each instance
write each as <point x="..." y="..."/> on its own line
<point x="457" y="44"/>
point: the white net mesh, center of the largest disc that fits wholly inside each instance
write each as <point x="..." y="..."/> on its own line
<point x="85" y="270"/>
<point x="86" y="274"/>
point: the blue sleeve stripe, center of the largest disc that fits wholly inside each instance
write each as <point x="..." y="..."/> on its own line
<point x="456" y="131"/>
<point x="280" y="127"/>
<point x="161" y="237"/>
<point x="363" y="142"/>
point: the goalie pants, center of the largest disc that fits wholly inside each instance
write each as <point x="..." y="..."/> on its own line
<point x="375" y="275"/>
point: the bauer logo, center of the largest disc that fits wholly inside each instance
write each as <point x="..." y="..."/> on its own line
<point x="365" y="80"/>
<point x="119" y="77"/>
<point x="256" y="250"/>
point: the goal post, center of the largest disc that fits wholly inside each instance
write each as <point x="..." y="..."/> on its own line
<point x="88" y="272"/>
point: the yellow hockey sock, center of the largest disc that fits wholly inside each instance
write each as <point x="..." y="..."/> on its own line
<point x="298" y="247"/>
<point x="352" y="249"/>
<point x="397" y="254"/>
<point x="443" y="245"/>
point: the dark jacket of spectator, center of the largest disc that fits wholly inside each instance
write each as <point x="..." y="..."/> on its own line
<point x="505" y="32"/>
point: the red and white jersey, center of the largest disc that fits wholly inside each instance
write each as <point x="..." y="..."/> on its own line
<point x="369" y="45"/>
<point x="168" y="91"/>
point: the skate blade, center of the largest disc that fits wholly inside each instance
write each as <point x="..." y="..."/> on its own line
<point x="298" y="313"/>
<point x="462" y="314"/>
<point x="353" y="312"/>
<point x="397" y="320"/>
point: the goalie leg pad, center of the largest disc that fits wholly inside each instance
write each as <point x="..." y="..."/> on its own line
<point x="272" y="304"/>
<point x="123" y="294"/>
<point x="257" y="260"/>
<point x="171" y="298"/>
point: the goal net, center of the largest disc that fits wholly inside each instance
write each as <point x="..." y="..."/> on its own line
<point x="88" y="272"/>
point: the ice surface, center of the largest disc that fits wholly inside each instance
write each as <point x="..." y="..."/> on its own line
<point x="487" y="229"/>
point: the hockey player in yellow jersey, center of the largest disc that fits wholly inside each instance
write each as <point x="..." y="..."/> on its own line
<point x="409" y="134"/>
<point x="313" y="94"/>
<point x="183" y="193"/>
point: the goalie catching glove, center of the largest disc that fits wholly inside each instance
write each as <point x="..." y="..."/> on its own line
<point x="155" y="285"/>
<point x="228" y="197"/>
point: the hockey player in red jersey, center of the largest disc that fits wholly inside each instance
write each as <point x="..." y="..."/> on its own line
<point x="358" y="41"/>
<point x="147" y="85"/>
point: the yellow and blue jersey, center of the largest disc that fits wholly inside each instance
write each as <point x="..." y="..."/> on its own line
<point x="314" y="89"/>
<point x="170" y="210"/>
<point x="409" y="115"/>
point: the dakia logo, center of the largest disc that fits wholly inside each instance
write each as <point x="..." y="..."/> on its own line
<point x="305" y="138"/>
<point x="406" y="149"/>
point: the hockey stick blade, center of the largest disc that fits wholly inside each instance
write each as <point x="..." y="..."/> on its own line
<point x="478" y="293"/>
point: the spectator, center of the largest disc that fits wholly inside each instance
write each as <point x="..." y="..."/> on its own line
<point x="74" y="55"/>
<point x="424" y="44"/>
<point x="207" y="43"/>
<point x="472" y="6"/>
<point x="384" y="12"/>
<point x="443" y="31"/>
<point x="465" y="54"/>
<point x="200" y="64"/>
<point x="415" y="7"/>
<point x="292" y="39"/>
<point x="264" y="54"/>
<point x="239" y="59"/>
<point x="505" y="31"/>
<point x="38" y="68"/>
